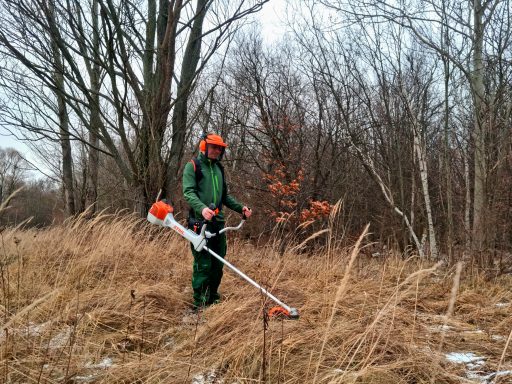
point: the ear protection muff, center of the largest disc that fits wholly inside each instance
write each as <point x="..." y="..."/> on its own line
<point x="202" y="143"/>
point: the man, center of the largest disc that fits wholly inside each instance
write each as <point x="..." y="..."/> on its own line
<point x="205" y="190"/>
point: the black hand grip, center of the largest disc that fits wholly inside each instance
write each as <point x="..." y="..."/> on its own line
<point x="213" y="208"/>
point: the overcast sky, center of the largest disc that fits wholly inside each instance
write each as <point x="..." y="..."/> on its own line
<point x="272" y="18"/>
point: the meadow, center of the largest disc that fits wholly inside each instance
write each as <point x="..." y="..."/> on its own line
<point x="107" y="300"/>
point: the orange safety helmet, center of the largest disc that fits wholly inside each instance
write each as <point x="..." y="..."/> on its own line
<point x="211" y="138"/>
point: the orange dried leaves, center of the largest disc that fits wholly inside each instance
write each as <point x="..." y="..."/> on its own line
<point x="286" y="194"/>
<point x="317" y="210"/>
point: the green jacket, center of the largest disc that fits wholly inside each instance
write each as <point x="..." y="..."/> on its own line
<point x="211" y="188"/>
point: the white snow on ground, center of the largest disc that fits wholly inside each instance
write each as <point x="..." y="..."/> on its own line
<point x="107" y="362"/>
<point x="84" y="379"/>
<point x="36" y="329"/>
<point x="31" y="330"/>
<point x="62" y="338"/>
<point x="474" y="332"/>
<point x="489" y="378"/>
<point x="209" y="377"/>
<point x="473" y="363"/>
<point x="443" y="327"/>
<point x="463" y="357"/>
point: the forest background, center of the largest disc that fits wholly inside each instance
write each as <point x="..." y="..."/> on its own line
<point x="401" y="112"/>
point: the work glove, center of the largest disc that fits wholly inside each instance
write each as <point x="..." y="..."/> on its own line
<point x="247" y="212"/>
<point x="207" y="213"/>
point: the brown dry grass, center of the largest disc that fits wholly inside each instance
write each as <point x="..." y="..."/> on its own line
<point x="117" y="288"/>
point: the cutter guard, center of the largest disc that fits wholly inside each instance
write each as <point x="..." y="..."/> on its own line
<point x="278" y="311"/>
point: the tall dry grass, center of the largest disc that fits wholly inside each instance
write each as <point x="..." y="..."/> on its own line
<point x="106" y="301"/>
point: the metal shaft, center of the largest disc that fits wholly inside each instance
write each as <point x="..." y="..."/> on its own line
<point x="248" y="279"/>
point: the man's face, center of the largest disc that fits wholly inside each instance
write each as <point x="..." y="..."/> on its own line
<point x="214" y="151"/>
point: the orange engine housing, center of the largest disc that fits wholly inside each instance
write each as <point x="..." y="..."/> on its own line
<point x="160" y="209"/>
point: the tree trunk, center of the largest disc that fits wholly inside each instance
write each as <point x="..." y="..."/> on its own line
<point x="445" y="39"/>
<point x="150" y="166"/>
<point x="179" y="118"/>
<point x="65" y="144"/>
<point x="477" y="83"/>
<point x="420" y="153"/>
<point x="91" y="196"/>
<point x="64" y="137"/>
<point x="447" y="169"/>
<point x="467" y="202"/>
<point x="370" y="167"/>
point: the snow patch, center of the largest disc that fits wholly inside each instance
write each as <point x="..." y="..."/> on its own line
<point x="463" y="357"/>
<point x="107" y="362"/>
<point x="473" y="364"/>
<point x="487" y="378"/>
<point x="61" y="339"/>
<point x="31" y="330"/>
<point x="441" y="328"/>
<point x="476" y="331"/>
<point x="193" y="318"/>
<point x="169" y="343"/>
<point x="209" y="377"/>
<point x="84" y="379"/>
<point x="476" y="365"/>
<point x="40" y="329"/>
<point x="34" y="329"/>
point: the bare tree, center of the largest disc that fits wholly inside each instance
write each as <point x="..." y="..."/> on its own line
<point x="365" y="81"/>
<point x="135" y="55"/>
<point x="62" y="112"/>
<point x="468" y="23"/>
<point x="13" y="169"/>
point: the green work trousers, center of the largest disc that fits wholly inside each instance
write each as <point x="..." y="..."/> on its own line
<point x="207" y="270"/>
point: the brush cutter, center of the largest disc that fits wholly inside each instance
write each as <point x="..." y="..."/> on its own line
<point x="161" y="214"/>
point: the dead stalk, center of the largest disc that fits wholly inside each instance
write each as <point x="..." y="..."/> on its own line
<point x="449" y="312"/>
<point x="18" y="274"/>
<point x="196" y="327"/>
<point x="279" y="353"/>
<point x="6" y="357"/>
<point x="142" y="330"/>
<point x="503" y="353"/>
<point x="126" y="340"/>
<point x="72" y="337"/>
<point x="5" y="280"/>
<point x="339" y="294"/>
<point x="264" y="349"/>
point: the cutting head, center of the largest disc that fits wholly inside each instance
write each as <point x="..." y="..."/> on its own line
<point x="282" y="313"/>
